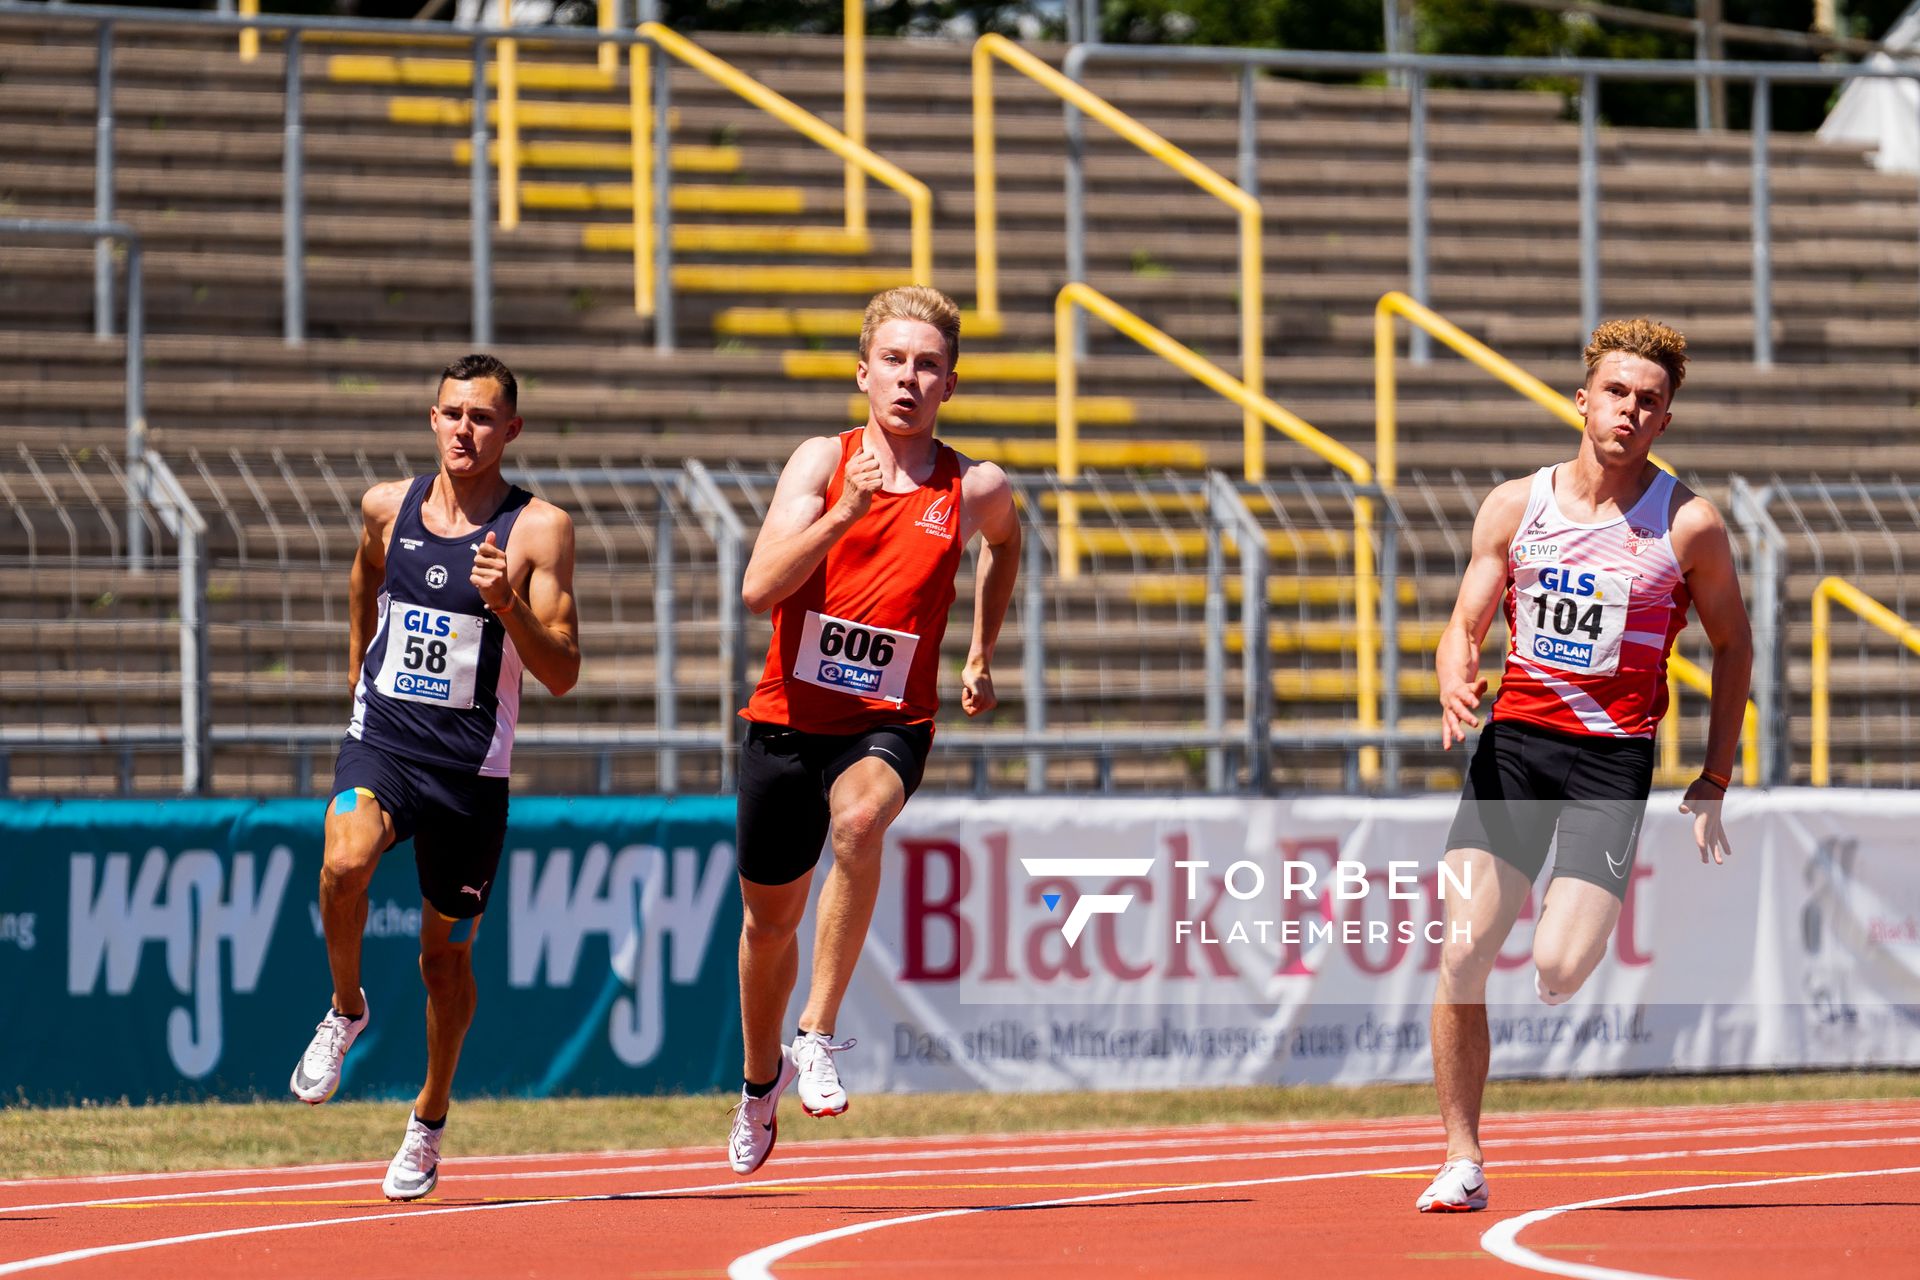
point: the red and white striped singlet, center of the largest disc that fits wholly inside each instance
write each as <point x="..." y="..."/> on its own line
<point x="1593" y="610"/>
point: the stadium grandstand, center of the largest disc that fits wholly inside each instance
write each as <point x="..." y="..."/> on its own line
<point x="1259" y="303"/>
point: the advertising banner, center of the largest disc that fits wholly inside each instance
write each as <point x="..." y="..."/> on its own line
<point x="1043" y="943"/>
<point x="174" y="950"/>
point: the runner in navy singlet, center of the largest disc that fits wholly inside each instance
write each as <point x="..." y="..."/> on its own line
<point x="461" y="583"/>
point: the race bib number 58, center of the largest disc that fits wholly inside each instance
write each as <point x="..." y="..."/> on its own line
<point x="853" y="657"/>
<point x="1572" y="619"/>
<point x="432" y="656"/>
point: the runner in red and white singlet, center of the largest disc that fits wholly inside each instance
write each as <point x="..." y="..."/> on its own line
<point x="1593" y="611"/>
<point x="857" y="560"/>
<point x="1596" y="562"/>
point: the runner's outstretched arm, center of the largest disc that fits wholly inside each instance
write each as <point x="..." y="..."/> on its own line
<point x="989" y="502"/>
<point x="379" y="508"/>
<point x="1457" y="658"/>
<point x="544" y="627"/>
<point x="800" y="528"/>
<point x="1706" y="557"/>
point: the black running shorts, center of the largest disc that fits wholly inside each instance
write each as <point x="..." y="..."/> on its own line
<point x="1525" y="782"/>
<point x="456" y="820"/>
<point x="785" y="779"/>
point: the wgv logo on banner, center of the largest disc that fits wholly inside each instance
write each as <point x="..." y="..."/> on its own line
<point x="630" y="899"/>
<point x="192" y="904"/>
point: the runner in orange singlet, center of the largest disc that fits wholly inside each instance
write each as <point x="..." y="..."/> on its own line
<point x="857" y="560"/>
<point x="1595" y="561"/>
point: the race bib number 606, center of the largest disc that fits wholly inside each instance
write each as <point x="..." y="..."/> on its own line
<point x="855" y="657"/>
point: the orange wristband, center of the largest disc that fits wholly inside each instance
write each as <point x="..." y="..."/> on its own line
<point x="1721" y="780"/>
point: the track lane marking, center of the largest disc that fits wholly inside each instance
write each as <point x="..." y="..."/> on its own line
<point x="40" y="1262"/>
<point x="969" y="1153"/>
<point x="1502" y="1240"/>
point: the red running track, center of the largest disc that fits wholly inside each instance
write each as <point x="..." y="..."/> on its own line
<point x="1713" y="1193"/>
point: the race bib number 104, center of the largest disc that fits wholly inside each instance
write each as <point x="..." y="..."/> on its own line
<point x="1572" y="619"/>
<point x="853" y="657"/>
<point x="432" y="656"/>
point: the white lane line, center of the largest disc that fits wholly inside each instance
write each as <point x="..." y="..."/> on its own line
<point x="756" y="1265"/>
<point x="734" y="1184"/>
<point x="1209" y="1151"/>
<point x="1809" y="1115"/>
<point x="1502" y="1240"/>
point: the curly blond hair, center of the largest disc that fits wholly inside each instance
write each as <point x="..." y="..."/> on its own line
<point x="914" y="302"/>
<point x="1648" y="339"/>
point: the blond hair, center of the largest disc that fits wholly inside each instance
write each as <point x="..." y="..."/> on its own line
<point x="1648" y="339"/>
<point x="914" y="302"/>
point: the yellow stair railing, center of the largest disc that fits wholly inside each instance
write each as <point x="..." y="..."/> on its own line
<point x="986" y="218"/>
<point x="1831" y="591"/>
<point x="1266" y="412"/>
<point x="1683" y="671"/>
<point x="1478" y="353"/>
<point x="919" y="198"/>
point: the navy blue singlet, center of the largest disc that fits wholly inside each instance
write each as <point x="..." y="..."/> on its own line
<point x="440" y="682"/>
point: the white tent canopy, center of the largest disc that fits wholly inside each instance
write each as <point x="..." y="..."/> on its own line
<point x="1884" y="114"/>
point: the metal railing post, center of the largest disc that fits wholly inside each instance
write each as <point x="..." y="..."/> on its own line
<point x="1216" y="648"/>
<point x="196" y="751"/>
<point x="1762" y="226"/>
<point x="1589" y="203"/>
<point x="1033" y="641"/>
<point x="665" y="678"/>
<point x="1249" y="133"/>
<point x="1256" y="667"/>
<point x="136" y="404"/>
<point x="480" y="206"/>
<point x="722" y="524"/>
<point x="1076" y="181"/>
<point x="508" y="56"/>
<point x="103" y="184"/>
<point x="662" y="203"/>
<point x="1766" y="578"/>
<point x="1419" y="348"/>
<point x="1389" y="596"/>
<point x="293" y="205"/>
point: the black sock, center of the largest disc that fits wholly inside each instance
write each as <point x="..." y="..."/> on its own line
<point x="804" y="1033"/>
<point x="435" y="1125"/>
<point x="758" y="1090"/>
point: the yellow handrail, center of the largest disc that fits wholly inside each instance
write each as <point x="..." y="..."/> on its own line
<point x="1196" y="366"/>
<point x="609" y="22"/>
<point x="509" y="53"/>
<point x="1682" y="671"/>
<point x="853" y="72"/>
<point x="1385" y="391"/>
<point x="250" y="36"/>
<point x="1868" y="610"/>
<point x="640" y="160"/>
<point x="986" y="220"/>
<point x="919" y="198"/>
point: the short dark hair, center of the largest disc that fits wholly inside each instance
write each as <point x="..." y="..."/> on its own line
<point x="481" y="365"/>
